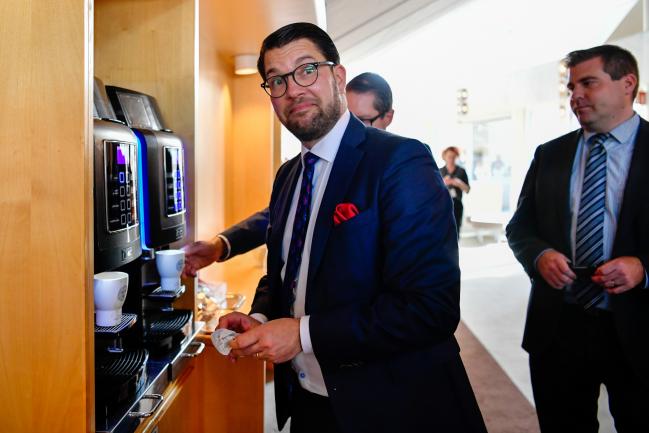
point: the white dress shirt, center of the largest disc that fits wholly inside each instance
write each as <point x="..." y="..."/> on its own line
<point x="305" y="363"/>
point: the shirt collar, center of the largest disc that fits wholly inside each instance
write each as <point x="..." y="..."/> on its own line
<point x="328" y="145"/>
<point x="622" y="132"/>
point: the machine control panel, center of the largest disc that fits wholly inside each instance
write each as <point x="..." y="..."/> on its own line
<point x="174" y="180"/>
<point x="121" y="185"/>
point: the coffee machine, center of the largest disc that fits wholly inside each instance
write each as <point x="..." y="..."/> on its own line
<point x="162" y="165"/>
<point x="120" y="372"/>
<point x="117" y="231"/>
<point x="162" y="204"/>
<point x="153" y="327"/>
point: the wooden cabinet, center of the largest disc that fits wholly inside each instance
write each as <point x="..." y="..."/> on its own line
<point x="213" y="396"/>
<point x="46" y="305"/>
<point x="181" y="52"/>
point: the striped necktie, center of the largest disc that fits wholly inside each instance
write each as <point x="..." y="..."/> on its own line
<point x="589" y="239"/>
<point x="300" y="224"/>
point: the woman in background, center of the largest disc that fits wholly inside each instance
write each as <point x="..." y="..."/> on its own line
<point x="456" y="181"/>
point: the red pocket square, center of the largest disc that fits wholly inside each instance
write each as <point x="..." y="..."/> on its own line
<point x="344" y="212"/>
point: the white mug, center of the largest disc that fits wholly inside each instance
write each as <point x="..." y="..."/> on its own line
<point x="170" y="265"/>
<point x="110" y="292"/>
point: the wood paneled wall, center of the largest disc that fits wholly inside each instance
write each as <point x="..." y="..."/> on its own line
<point x="249" y="155"/>
<point x="213" y="131"/>
<point x="46" y="319"/>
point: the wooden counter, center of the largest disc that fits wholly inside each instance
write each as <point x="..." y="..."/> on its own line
<point x="213" y="396"/>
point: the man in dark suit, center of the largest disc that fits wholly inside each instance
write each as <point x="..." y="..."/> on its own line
<point x="581" y="231"/>
<point x="361" y="298"/>
<point x="369" y="98"/>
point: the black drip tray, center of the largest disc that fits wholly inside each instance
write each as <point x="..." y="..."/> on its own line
<point x="119" y="376"/>
<point x="166" y="323"/>
<point x="165" y="330"/>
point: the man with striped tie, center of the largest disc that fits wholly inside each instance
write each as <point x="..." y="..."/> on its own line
<point x="581" y="231"/>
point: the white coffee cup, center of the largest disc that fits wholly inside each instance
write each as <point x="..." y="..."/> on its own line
<point x="110" y="292"/>
<point x="170" y="265"/>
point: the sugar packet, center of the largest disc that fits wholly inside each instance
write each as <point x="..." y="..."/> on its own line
<point x="221" y="339"/>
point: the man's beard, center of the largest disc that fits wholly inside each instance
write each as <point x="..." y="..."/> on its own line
<point x="320" y="124"/>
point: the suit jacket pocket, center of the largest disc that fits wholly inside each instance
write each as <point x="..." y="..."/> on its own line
<point x="351" y="257"/>
<point x="359" y="220"/>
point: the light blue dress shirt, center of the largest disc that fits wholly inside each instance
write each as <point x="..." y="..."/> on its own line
<point x="619" y="150"/>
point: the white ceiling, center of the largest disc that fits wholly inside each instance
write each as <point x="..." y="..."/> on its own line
<point x="363" y="28"/>
<point x="358" y="27"/>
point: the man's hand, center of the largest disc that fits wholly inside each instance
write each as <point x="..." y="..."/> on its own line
<point x="277" y="341"/>
<point x="553" y="267"/>
<point x="620" y="274"/>
<point x="200" y="254"/>
<point x="237" y="322"/>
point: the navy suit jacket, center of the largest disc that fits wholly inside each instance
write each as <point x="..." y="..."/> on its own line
<point x="247" y="234"/>
<point x="542" y="220"/>
<point x="383" y="287"/>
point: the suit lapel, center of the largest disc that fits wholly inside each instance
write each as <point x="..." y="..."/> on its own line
<point x="565" y="160"/>
<point x="282" y="206"/>
<point x="342" y="173"/>
<point x="636" y="181"/>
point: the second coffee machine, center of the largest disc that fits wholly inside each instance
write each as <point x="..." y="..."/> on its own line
<point x="162" y="204"/>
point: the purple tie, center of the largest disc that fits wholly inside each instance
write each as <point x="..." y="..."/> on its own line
<point x="300" y="224"/>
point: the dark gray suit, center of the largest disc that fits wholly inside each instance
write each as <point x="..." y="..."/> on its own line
<point x="543" y="220"/>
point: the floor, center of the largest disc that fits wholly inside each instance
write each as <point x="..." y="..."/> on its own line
<point x="494" y="299"/>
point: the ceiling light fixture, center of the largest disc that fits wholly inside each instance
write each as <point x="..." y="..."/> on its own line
<point x="245" y="64"/>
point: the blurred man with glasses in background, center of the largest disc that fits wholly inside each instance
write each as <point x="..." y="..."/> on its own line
<point x="369" y="97"/>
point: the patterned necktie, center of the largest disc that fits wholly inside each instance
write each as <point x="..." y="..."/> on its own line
<point x="300" y="224"/>
<point x="589" y="239"/>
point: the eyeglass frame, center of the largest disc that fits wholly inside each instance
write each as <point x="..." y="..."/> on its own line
<point x="284" y="77"/>
<point x="373" y="119"/>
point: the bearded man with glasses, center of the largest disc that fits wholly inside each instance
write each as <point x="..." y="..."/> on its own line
<point x="369" y="98"/>
<point x="361" y="298"/>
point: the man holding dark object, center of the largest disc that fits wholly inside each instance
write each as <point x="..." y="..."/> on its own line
<point x="581" y="231"/>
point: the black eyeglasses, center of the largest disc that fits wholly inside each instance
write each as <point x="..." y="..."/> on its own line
<point x="369" y="122"/>
<point x="304" y="75"/>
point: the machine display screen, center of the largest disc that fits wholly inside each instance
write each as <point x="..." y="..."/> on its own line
<point x="138" y="111"/>
<point x="120" y="162"/>
<point x="174" y="180"/>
